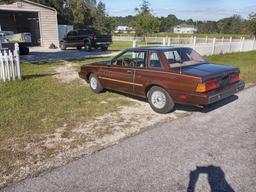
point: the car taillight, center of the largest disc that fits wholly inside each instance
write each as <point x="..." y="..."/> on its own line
<point x="208" y="86"/>
<point x="234" y="78"/>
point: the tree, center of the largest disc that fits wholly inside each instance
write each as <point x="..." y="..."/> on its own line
<point x="101" y="22"/>
<point x="145" y="23"/>
<point x="167" y="23"/>
<point x="252" y="23"/>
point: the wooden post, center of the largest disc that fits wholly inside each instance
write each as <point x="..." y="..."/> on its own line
<point x="11" y="65"/>
<point x="230" y="45"/>
<point x="134" y="43"/>
<point x="253" y="43"/>
<point x="2" y="68"/>
<point x="164" y="41"/>
<point x="169" y="41"/>
<point x="7" y="66"/>
<point x="242" y="44"/>
<point x="213" y="45"/>
<point x="206" y="39"/>
<point x="194" y="42"/>
<point x="17" y="59"/>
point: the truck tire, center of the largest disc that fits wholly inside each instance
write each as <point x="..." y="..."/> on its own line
<point x="87" y="46"/>
<point x="104" y="48"/>
<point x="159" y="100"/>
<point x="95" y="84"/>
<point x="63" y="46"/>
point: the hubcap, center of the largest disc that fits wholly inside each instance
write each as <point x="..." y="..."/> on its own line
<point x="93" y="83"/>
<point x="158" y="99"/>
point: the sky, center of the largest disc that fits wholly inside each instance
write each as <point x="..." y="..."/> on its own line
<point x="185" y="9"/>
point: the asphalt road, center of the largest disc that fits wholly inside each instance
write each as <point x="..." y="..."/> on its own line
<point x="213" y="151"/>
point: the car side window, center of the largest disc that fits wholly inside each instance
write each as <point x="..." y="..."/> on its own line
<point x="155" y="61"/>
<point x="172" y="56"/>
<point x="131" y="59"/>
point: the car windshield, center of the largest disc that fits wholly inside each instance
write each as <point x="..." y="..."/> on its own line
<point x="179" y="57"/>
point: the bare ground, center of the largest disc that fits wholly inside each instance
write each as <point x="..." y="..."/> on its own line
<point x="66" y="144"/>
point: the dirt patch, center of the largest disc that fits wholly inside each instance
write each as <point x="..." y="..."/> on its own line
<point x="66" y="73"/>
<point x="67" y="144"/>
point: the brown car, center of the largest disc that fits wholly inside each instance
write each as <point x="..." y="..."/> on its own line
<point x="165" y="76"/>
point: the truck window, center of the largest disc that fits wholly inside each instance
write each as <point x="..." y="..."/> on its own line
<point x="85" y="32"/>
<point x="72" y="33"/>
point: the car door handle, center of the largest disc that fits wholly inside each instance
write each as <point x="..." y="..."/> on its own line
<point x="130" y="72"/>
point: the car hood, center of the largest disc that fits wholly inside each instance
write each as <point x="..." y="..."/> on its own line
<point x="208" y="70"/>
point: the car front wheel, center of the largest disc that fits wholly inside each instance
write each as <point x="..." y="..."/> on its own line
<point x="95" y="84"/>
<point x="159" y="100"/>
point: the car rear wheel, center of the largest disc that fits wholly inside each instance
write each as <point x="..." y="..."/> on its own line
<point x="159" y="100"/>
<point x="79" y="48"/>
<point x="95" y="84"/>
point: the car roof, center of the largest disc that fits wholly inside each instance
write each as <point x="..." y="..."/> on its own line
<point x="154" y="48"/>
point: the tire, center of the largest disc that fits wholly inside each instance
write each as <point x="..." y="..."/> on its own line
<point x="159" y="100"/>
<point x="79" y="48"/>
<point x="104" y="48"/>
<point x="63" y="46"/>
<point x="87" y="46"/>
<point x="95" y="84"/>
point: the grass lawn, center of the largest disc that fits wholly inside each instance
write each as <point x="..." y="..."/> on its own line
<point x="35" y="107"/>
<point x="40" y="103"/>
<point x="246" y="61"/>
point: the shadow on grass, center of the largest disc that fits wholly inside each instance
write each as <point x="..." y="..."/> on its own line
<point x="34" y="76"/>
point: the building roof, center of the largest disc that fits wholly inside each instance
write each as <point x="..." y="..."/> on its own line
<point x="184" y="25"/>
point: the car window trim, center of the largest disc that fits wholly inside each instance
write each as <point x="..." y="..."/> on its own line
<point x="155" y="68"/>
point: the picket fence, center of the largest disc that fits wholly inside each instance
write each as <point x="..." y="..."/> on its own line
<point x="205" y="46"/>
<point x="10" y="64"/>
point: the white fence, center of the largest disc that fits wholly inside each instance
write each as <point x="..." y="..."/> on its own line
<point x="205" y="46"/>
<point x="10" y="64"/>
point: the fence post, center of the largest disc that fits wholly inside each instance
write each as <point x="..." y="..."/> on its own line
<point x="133" y="43"/>
<point x="253" y="43"/>
<point x="242" y="44"/>
<point x="2" y="68"/>
<point x="213" y="45"/>
<point x="230" y="45"/>
<point x="206" y="39"/>
<point x="7" y="66"/>
<point x="194" y="42"/>
<point x="169" y="41"/>
<point x="164" y="41"/>
<point x="11" y="65"/>
<point x="17" y="58"/>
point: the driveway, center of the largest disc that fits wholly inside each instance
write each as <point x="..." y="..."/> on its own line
<point x="40" y="54"/>
<point x="214" y="151"/>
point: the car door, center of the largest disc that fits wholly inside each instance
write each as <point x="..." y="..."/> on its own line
<point x="120" y="74"/>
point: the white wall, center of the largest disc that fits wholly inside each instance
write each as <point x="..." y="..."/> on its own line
<point x="64" y="29"/>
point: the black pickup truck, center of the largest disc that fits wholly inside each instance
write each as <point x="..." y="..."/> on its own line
<point x="86" y="38"/>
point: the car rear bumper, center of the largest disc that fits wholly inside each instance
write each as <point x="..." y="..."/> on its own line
<point x="202" y="99"/>
<point x="222" y="94"/>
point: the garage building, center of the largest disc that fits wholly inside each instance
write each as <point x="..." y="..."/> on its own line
<point x="37" y="19"/>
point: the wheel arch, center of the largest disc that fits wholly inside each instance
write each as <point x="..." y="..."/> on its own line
<point x="148" y="87"/>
